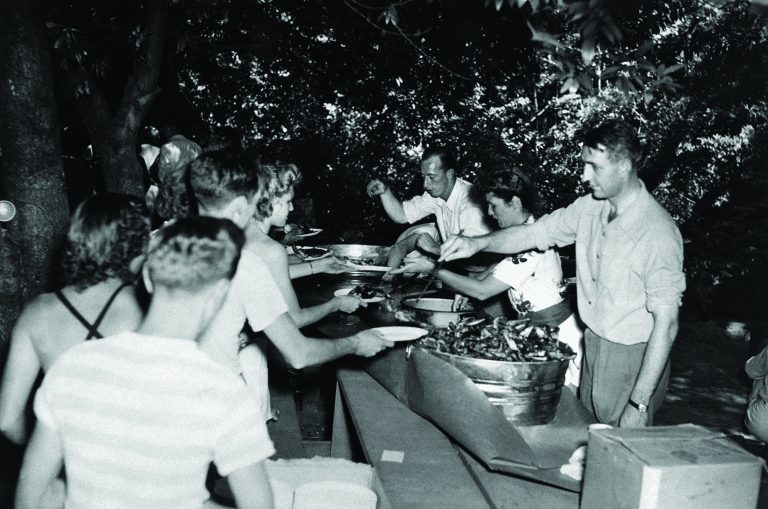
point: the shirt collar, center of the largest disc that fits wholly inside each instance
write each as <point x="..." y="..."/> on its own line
<point x="632" y="220"/>
<point x="457" y="193"/>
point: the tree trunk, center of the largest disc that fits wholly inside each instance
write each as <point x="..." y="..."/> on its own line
<point x="31" y="171"/>
<point x="114" y="135"/>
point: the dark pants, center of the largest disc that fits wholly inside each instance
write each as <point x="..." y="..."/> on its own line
<point x="608" y="375"/>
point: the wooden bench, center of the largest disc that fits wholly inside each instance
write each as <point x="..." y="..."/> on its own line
<point x="417" y="464"/>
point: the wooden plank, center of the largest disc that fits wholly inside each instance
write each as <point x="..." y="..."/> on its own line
<point x="285" y="432"/>
<point x="341" y="437"/>
<point x="431" y="474"/>
<point x="508" y="492"/>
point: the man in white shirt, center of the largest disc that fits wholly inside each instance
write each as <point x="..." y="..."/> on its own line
<point x="448" y="198"/>
<point x="137" y="418"/>
<point x="226" y="185"/>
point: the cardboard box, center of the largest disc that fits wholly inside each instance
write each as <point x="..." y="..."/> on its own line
<point x="672" y="467"/>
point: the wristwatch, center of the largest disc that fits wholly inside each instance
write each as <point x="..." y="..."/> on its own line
<point x="643" y="409"/>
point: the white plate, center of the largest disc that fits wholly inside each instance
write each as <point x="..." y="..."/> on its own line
<point x="312" y="231"/>
<point x="345" y="291"/>
<point x="368" y="268"/>
<point x="326" y="252"/>
<point x="400" y="333"/>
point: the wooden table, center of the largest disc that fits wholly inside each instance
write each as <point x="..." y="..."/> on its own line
<point x="418" y="465"/>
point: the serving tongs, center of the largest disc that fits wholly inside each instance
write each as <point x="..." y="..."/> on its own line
<point x="434" y="272"/>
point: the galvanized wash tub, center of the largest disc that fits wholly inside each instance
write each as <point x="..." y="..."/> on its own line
<point x="527" y="393"/>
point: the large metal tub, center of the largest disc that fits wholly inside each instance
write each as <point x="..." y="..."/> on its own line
<point x="527" y="393"/>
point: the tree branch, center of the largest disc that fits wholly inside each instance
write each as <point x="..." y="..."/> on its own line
<point x="141" y="87"/>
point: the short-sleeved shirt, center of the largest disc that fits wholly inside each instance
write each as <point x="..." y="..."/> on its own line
<point x="625" y="268"/>
<point x="757" y="369"/>
<point x="459" y="212"/>
<point x="535" y="282"/>
<point x="255" y="297"/>
<point x="535" y="278"/>
<point x="141" y="418"/>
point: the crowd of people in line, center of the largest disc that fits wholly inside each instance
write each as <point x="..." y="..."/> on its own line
<point x="156" y="365"/>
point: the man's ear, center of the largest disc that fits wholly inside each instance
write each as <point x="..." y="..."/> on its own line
<point x="147" y="280"/>
<point x="516" y="202"/>
<point x="451" y="174"/>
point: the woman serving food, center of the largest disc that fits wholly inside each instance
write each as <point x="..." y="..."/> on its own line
<point x="532" y="280"/>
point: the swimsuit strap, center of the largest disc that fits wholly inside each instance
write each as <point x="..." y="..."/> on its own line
<point x="104" y="313"/>
<point x="93" y="331"/>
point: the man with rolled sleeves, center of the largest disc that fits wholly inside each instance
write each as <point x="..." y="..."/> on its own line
<point x="629" y="268"/>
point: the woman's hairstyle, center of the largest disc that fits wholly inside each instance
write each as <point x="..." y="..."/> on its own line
<point x="506" y="182"/>
<point x="106" y="233"/>
<point x="275" y="181"/>
<point x="194" y="252"/>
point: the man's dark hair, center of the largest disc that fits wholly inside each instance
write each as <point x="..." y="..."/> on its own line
<point x="219" y="176"/>
<point x="619" y="138"/>
<point x="447" y="159"/>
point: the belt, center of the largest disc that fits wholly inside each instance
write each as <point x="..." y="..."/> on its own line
<point x="553" y="315"/>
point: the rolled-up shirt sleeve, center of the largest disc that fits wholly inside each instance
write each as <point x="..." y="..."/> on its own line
<point x="42" y="406"/>
<point x="418" y="207"/>
<point x="664" y="277"/>
<point x="242" y="436"/>
<point x="757" y="366"/>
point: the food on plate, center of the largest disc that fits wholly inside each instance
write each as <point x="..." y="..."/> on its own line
<point x="368" y="292"/>
<point x="297" y="229"/>
<point x="500" y="340"/>
<point x="311" y="252"/>
<point x="358" y="261"/>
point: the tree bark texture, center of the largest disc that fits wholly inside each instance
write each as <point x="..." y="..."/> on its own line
<point x="114" y="134"/>
<point x="31" y="171"/>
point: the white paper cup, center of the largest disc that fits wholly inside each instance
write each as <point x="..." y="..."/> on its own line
<point x="282" y="493"/>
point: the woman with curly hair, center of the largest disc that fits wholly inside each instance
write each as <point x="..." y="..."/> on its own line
<point x="105" y="244"/>
<point x="276" y="183"/>
<point x="533" y="280"/>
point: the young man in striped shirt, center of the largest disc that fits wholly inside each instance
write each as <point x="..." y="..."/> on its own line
<point x="137" y="418"/>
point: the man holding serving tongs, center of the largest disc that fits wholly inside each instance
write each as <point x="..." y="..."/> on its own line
<point x="629" y="261"/>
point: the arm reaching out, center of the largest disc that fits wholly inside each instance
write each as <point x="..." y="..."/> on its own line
<point x="392" y="206"/>
<point x="300" y="351"/>
<point x="510" y="240"/>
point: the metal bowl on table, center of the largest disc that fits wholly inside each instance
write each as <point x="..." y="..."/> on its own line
<point x="438" y="312"/>
<point x="319" y="288"/>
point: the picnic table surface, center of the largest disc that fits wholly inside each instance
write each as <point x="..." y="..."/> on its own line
<point x="419" y="466"/>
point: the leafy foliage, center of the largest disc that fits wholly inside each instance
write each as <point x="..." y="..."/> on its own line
<point x="354" y="91"/>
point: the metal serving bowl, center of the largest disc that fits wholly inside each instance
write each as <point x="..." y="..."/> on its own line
<point x="320" y="287"/>
<point x="436" y="311"/>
